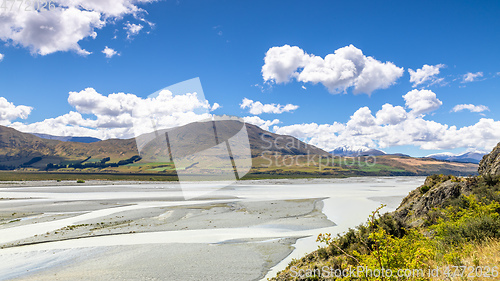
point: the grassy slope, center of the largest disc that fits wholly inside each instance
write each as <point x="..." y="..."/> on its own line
<point x="387" y="165"/>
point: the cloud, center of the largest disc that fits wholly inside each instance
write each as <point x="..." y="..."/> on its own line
<point x="361" y="118"/>
<point x="471" y="77"/>
<point x="132" y="29"/>
<point x="347" y="67"/>
<point x="73" y="124"/>
<point x="9" y="111"/>
<point x="218" y="30"/>
<point x="113" y="116"/>
<point x="215" y="106"/>
<point x="1" y="57"/>
<point x="424" y="74"/>
<point x="422" y="101"/>
<point x="391" y="115"/>
<point x="393" y="127"/>
<point x="470" y="107"/>
<point x="63" y="27"/>
<point x="257" y="121"/>
<point x="256" y="107"/>
<point x="89" y="101"/>
<point x="109" y="52"/>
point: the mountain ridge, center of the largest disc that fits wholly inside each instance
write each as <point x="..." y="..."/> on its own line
<point x="464" y="157"/>
<point x="272" y="155"/>
<point x="351" y="151"/>
<point x="67" y="138"/>
<point x="17" y="147"/>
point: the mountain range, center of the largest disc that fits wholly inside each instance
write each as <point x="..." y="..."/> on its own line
<point x="67" y="138"/>
<point x="17" y="148"/>
<point x="271" y="154"/>
<point x="353" y="151"/>
<point x="465" y="157"/>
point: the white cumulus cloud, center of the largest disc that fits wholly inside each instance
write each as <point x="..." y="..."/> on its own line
<point x="425" y="74"/>
<point x="256" y="107"/>
<point x="115" y="115"/>
<point x="422" y="101"/>
<point x="470" y="107"/>
<point x="9" y="111"/>
<point x="347" y="67"/>
<point x="65" y="25"/>
<point x="132" y="29"/>
<point x="109" y="53"/>
<point x="471" y="77"/>
<point x="215" y="106"/>
<point x="1" y="57"/>
<point x="391" y="115"/>
<point x="361" y="118"/>
<point x="257" y="121"/>
<point x="393" y="127"/>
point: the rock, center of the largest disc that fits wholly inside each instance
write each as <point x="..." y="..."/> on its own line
<point x="437" y="189"/>
<point x="490" y="164"/>
<point x="416" y="206"/>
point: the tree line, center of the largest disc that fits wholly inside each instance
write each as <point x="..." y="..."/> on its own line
<point x="101" y="164"/>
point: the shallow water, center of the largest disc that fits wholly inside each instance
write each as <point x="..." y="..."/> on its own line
<point x="347" y="203"/>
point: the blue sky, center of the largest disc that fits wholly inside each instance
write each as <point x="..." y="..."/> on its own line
<point x="225" y="44"/>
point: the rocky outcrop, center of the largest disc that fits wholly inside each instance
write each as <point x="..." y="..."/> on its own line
<point x="490" y="164"/>
<point x="433" y="194"/>
<point x="438" y="189"/>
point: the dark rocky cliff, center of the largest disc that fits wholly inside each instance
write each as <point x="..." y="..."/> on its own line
<point x="435" y="192"/>
<point x="490" y="164"/>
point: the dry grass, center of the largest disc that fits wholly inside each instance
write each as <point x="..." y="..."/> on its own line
<point x="420" y="162"/>
<point x="484" y="255"/>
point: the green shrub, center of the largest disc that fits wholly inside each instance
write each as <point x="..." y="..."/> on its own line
<point x="80" y="181"/>
<point x="434" y="216"/>
<point x="447" y="237"/>
<point x="472" y="221"/>
<point x="424" y="189"/>
<point x="491" y="180"/>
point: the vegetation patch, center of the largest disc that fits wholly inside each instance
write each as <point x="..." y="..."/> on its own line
<point x="449" y="239"/>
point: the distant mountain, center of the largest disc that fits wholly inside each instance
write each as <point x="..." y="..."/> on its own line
<point x="466" y="157"/>
<point x="400" y="154"/>
<point x="350" y="151"/>
<point x="70" y="139"/>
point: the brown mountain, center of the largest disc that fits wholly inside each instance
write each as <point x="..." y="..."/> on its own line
<point x="198" y="136"/>
<point x="17" y="148"/>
